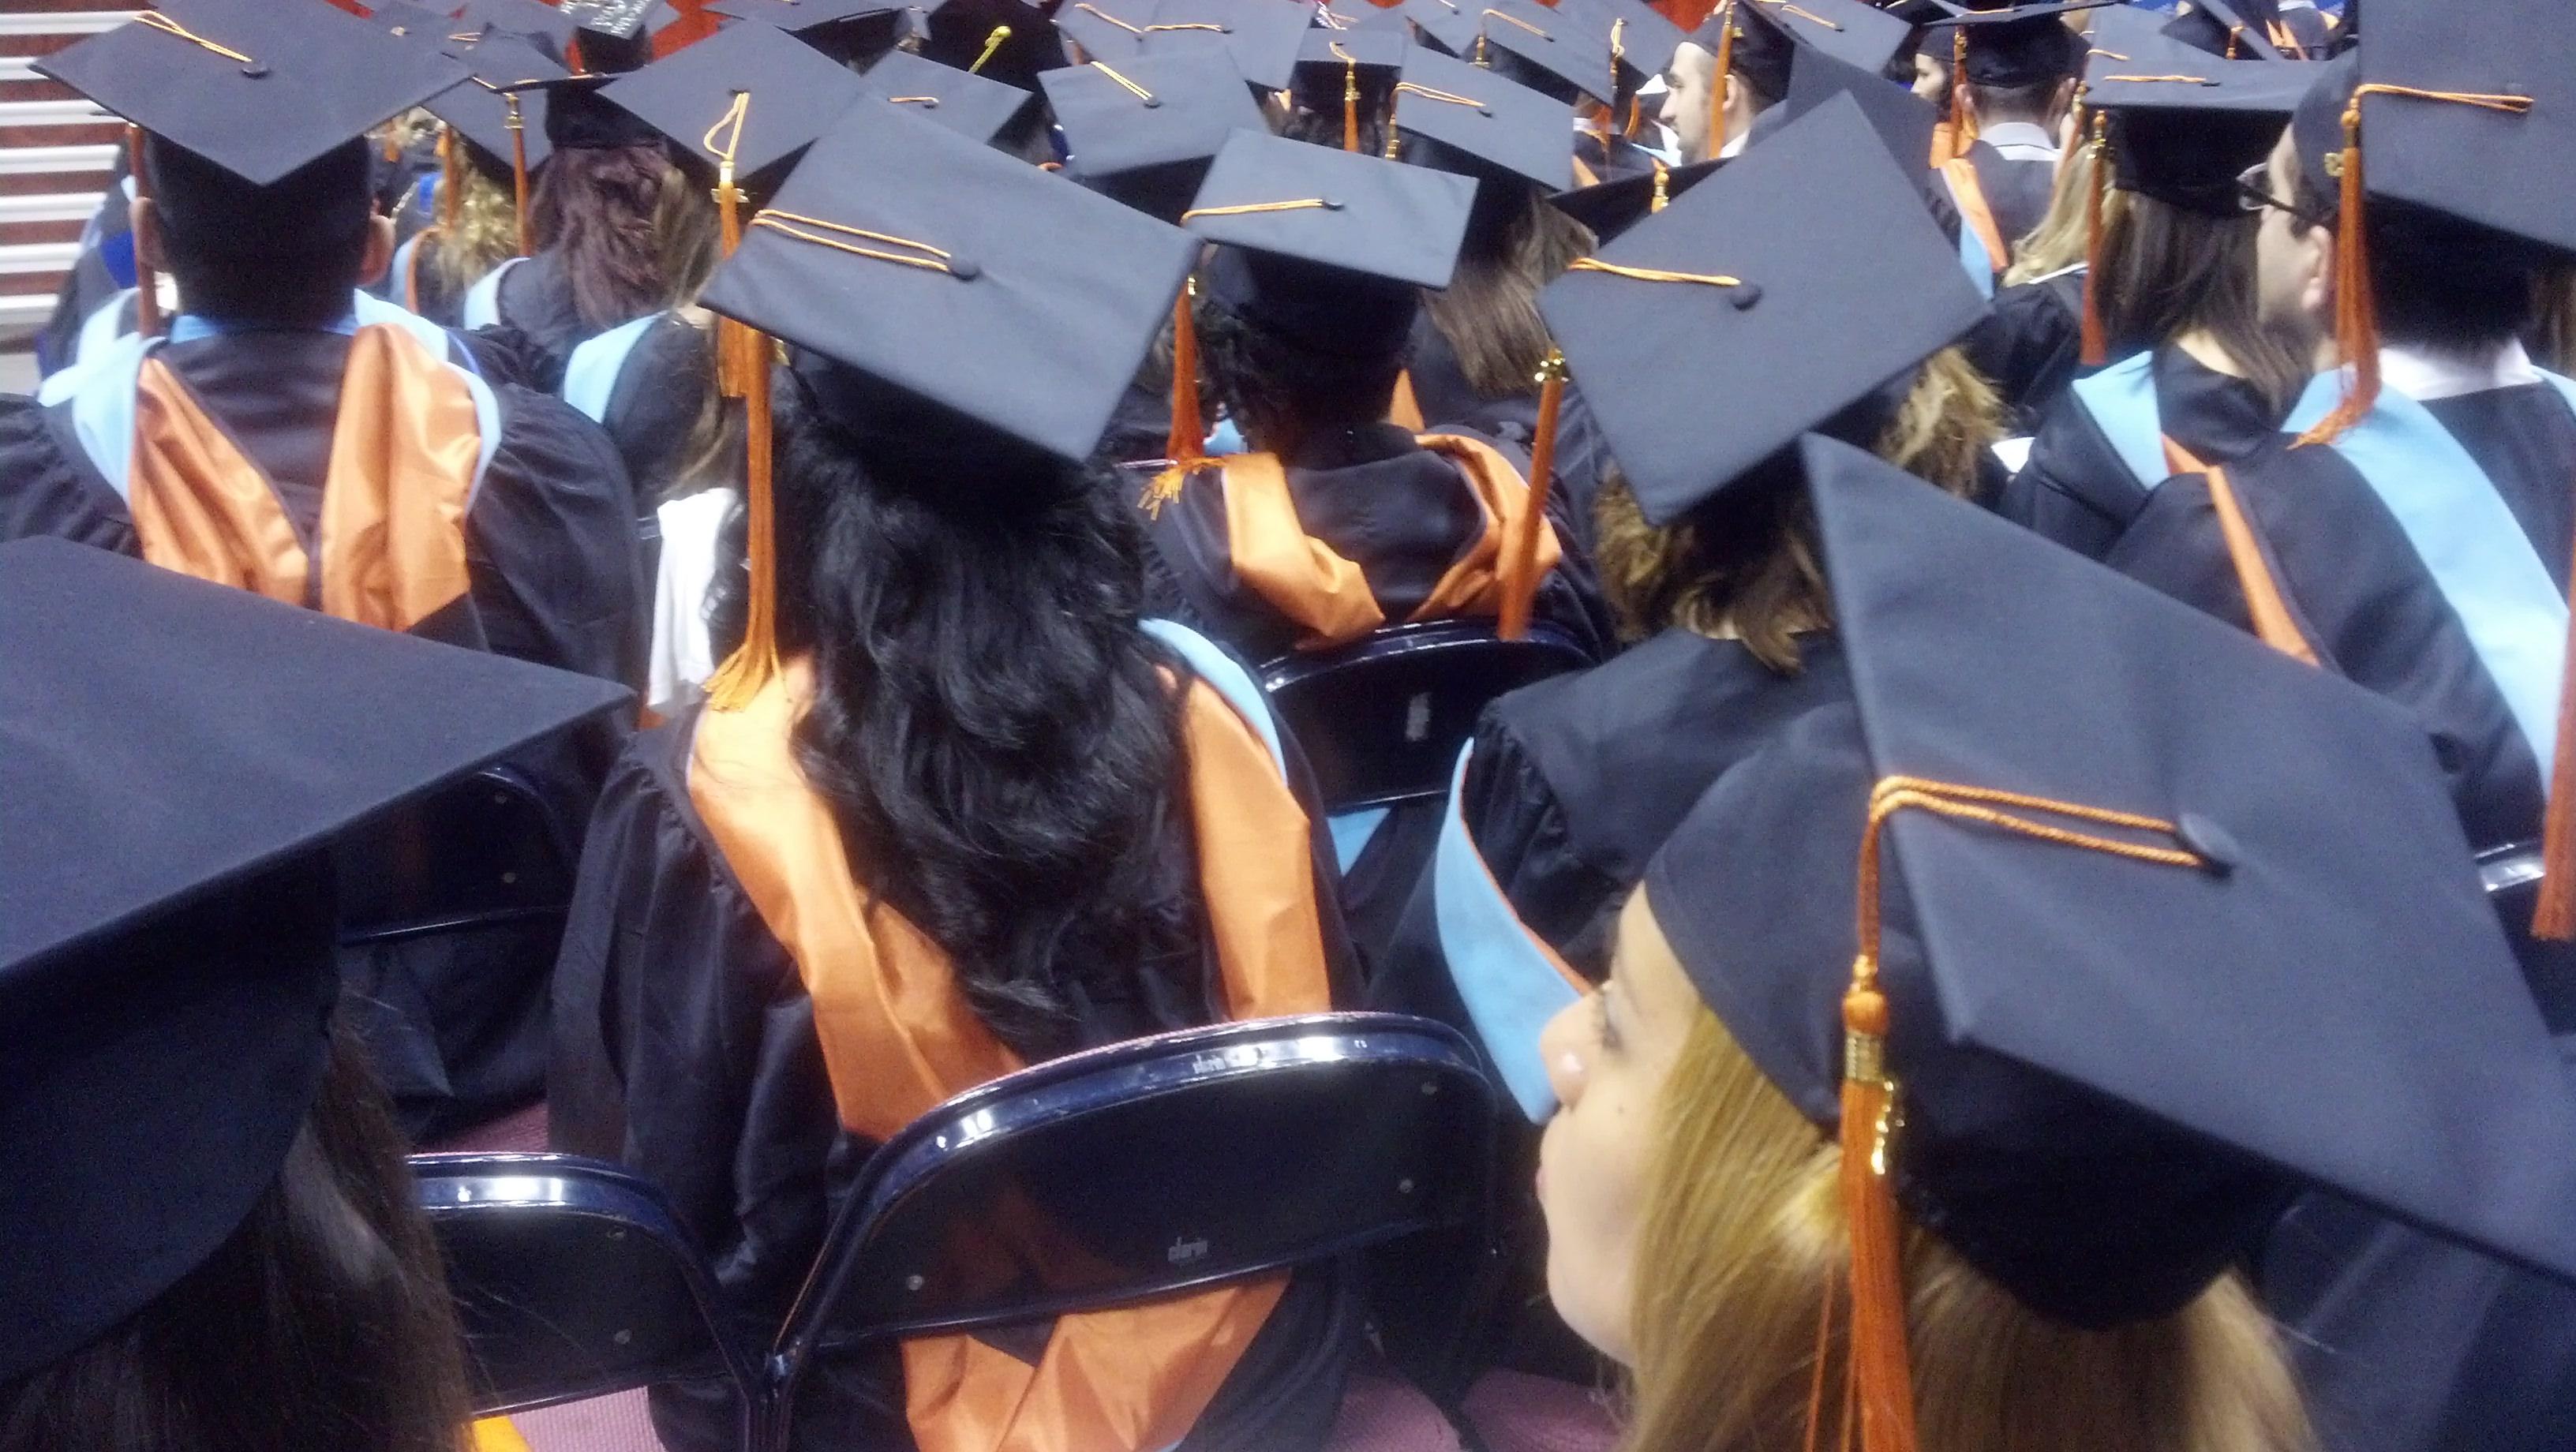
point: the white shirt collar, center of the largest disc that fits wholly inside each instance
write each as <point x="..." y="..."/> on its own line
<point x="2427" y="377"/>
<point x="1734" y="146"/>
<point x="2012" y="136"/>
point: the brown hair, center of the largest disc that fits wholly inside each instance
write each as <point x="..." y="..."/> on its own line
<point x="1747" y="566"/>
<point x="1743" y="1225"/>
<point x="596" y="207"/>
<point x="2167" y="271"/>
<point x="324" y="1321"/>
<point x="2555" y="337"/>
<point x="1516" y="244"/>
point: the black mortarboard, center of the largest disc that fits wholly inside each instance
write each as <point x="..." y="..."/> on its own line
<point x="175" y="756"/>
<point x="1263" y="36"/>
<point x="2497" y="169"/>
<point x="1642" y="41"/>
<point x="1554" y="54"/>
<point x="2227" y="28"/>
<point x="1761" y="53"/>
<point x="795" y="94"/>
<point x="961" y="33"/>
<point x="1362" y="15"/>
<point x="1325" y="60"/>
<point x="2126" y="31"/>
<point x="1144" y="130"/>
<point x="480" y="114"/>
<point x="1327" y="248"/>
<point x="846" y="30"/>
<point x="413" y="22"/>
<point x="1029" y="321"/>
<point x="975" y="107"/>
<point x="550" y="29"/>
<point x="578" y="116"/>
<point x="1903" y="120"/>
<point x="617" y="35"/>
<point x="1612" y="207"/>
<point x="2184" y="127"/>
<point x="1482" y="125"/>
<point x="1451" y="25"/>
<point x="314" y="80"/>
<point x="1845" y="283"/>
<point x="2013" y="46"/>
<point x="1110" y="30"/>
<point x="2112" y="1071"/>
<point x="1849" y="31"/>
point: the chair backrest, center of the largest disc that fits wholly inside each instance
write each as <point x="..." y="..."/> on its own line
<point x="484" y="851"/>
<point x="1164" y="1164"/>
<point x="2511" y="874"/>
<point x="572" y="1280"/>
<point x="1381" y="720"/>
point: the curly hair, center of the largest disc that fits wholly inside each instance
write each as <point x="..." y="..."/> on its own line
<point x="485" y="233"/>
<point x="596" y="207"/>
<point x="1745" y="563"/>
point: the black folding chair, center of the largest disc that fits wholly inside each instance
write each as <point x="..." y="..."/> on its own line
<point x="1381" y="720"/>
<point x="1164" y="1165"/>
<point x="572" y="1280"/>
<point x="488" y="851"/>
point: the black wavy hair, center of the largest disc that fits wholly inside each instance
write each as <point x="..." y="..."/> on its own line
<point x="996" y="736"/>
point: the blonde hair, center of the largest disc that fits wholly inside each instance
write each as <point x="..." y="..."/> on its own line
<point x="486" y="232"/>
<point x="1748" y="568"/>
<point x="1744" y="1230"/>
<point x="2060" y="239"/>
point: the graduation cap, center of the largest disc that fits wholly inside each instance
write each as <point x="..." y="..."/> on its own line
<point x="1796" y="282"/>
<point x="972" y="106"/>
<point x="254" y="89"/>
<point x="1556" y="55"/>
<point x="2227" y="28"/>
<point x="2124" y="32"/>
<point x="2145" y="959"/>
<point x="915" y="270"/>
<point x="413" y="22"/>
<point x="2446" y="111"/>
<point x="1481" y="125"/>
<point x="2184" y="135"/>
<point x="848" y="31"/>
<point x="1008" y="40"/>
<point x="1612" y="207"/>
<point x="552" y="30"/>
<point x="1143" y="131"/>
<point x="1326" y="248"/>
<point x="789" y="92"/>
<point x="478" y="110"/>
<point x="1642" y="41"/>
<point x="1329" y="60"/>
<point x="179" y="758"/>
<point x="2013" y="46"/>
<point x="617" y="35"/>
<point x="1903" y="120"/>
<point x="1263" y="36"/>
<point x="1110" y="30"/>
<point x="1449" y="25"/>
<point x="1851" y="32"/>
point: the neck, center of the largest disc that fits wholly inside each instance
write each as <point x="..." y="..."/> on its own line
<point x="2203" y="348"/>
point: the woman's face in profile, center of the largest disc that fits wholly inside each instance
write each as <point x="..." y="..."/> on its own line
<point x="1607" y="1057"/>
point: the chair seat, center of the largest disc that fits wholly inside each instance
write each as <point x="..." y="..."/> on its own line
<point x="1516" y="1412"/>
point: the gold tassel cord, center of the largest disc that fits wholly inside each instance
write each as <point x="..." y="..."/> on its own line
<point x="1245" y="209"/>
<point x="1653" y="274"/>
<point x="1133" y="89"/>
<point x="156" y="20"/>
<point x="992" y="43"/>
<point x="1660" y="198"/>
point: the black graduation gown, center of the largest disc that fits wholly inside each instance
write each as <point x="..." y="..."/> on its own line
<point x="2405" y="1343"/>
<point x="1404" y="516"/>
<point x="2031" y="345"/>
<point x="535" y="297"/>
<point x="685" y="1048"/>
<point x="455" y="1022"/>
<point x="654" y="407"/>
<point x="2076" y="491"/>
<point x="2017" y="192"/>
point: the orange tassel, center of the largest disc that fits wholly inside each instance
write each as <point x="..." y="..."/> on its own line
<point x="1520" y="560"/>
<point x="2356" y="312"/>
<point x="2097" y="347"/>
<point x="1882" y="1375"/>
<point x="1351" y="106"/>
<point x="519" y="173"/>
<point x="1960" y="135"/>
<point x="2554" y="917"/>
<point x="1718" y="78"/>
<point x="451" y="186"/>
<point x="147" y="283"/>
<point x="1187" y="444"/>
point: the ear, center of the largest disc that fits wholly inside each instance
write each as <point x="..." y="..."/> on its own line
<point x="2062" y="105"/>
<point x="2317" y="268"/>
<point x="380" y="251"/>
<point x="145" y="219"/>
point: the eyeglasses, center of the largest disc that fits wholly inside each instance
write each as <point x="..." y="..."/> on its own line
<point x="2254" y="193"/>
